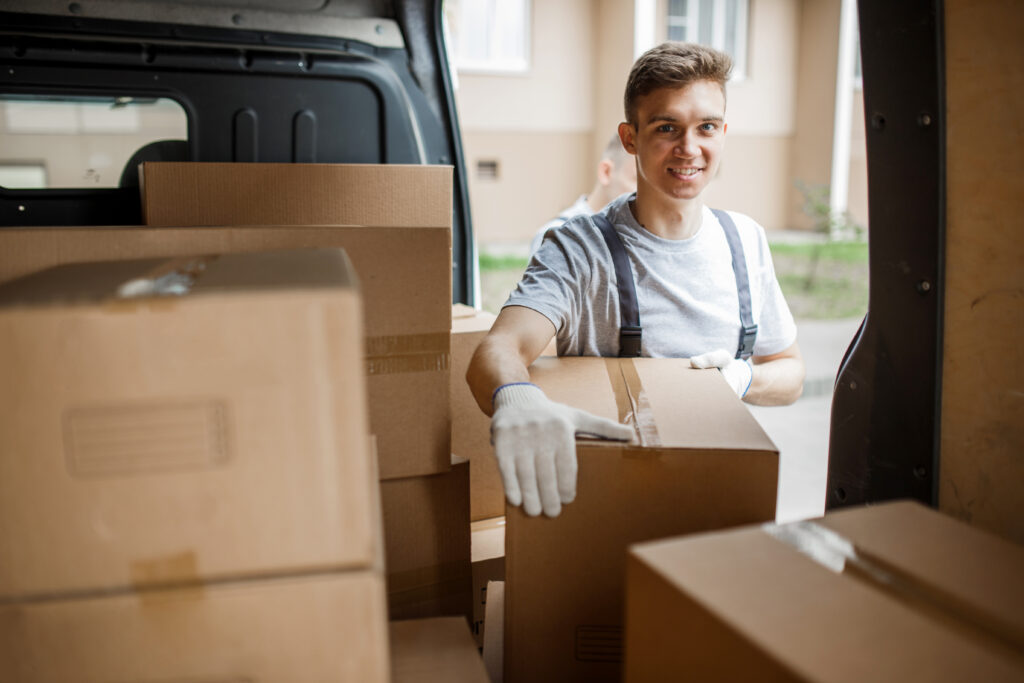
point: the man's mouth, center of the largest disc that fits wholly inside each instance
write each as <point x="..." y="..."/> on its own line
<point x="685" y="172"/>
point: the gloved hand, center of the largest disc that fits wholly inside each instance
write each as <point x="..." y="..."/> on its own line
<point x="535" y="443"/>
<point x="738" y="373"/>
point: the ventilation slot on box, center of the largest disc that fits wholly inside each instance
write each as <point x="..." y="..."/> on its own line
<point x="133" y="439"/>
<point x="598" y="644"/>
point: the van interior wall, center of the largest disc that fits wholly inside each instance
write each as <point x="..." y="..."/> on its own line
<point x="982" y="434"/>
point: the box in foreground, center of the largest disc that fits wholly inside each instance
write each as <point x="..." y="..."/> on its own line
<point x="894" y="592"/>
<point x="217" y="433"/>
<point x="329" y="628"/>
<point x="702" y="463"/>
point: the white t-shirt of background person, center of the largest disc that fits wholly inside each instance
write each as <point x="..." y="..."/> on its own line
<point x="579" y="208"/>
<point x="686" y="289"/>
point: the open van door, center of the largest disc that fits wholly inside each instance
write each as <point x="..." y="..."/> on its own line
<point x="306" y="81"/>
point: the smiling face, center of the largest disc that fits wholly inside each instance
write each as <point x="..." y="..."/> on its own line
<point x="677" y="137"/>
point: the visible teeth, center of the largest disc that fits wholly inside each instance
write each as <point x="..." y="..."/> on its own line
<point x="685" y="171"/>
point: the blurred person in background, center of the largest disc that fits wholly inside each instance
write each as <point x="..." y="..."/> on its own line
<point x="616" y="175"/>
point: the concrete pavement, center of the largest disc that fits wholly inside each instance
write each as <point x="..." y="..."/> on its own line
<point x="801" y="430"/>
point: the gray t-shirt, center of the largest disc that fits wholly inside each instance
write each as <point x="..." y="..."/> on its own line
<point x="686" y="289"/>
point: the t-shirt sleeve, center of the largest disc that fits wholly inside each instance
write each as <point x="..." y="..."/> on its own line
<point x="776" y="328"/>
<point x="554" y="280"/>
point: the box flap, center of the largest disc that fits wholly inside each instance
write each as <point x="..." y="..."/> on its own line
<point x="192" y="275"/>
<point x="674" y="405"/>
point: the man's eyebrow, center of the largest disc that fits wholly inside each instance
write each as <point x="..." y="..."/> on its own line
<point x="668" y="118"/>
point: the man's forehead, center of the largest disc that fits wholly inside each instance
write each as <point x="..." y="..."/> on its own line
<point x="703" y="100"/>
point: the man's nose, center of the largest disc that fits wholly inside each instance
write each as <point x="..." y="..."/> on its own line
<point x="687" y="147"/>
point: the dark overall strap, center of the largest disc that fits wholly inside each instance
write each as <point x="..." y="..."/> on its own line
<point x="748" y="330"/>
<point x="630" y="332"/>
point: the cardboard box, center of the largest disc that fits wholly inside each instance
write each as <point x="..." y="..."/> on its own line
<point x="213" y="434"/>
<point x="437" y="650"/>
<point x="427" y="544"/>
<point x="202" y="193"/>
<point x="702" y="463"/>
<point x="407" y="327"/>
<point x="487" y="538"/>
<point x="494" y="635"/>
<point x="893" y="592"/>
<point x="329" y="628"/>
<point x="471" y="428"/>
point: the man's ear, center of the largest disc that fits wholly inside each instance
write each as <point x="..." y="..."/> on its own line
<point x="605" y="167"/>
<point x="627" y="136"/>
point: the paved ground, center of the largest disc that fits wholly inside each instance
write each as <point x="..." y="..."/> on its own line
<point x="801" y="430"/>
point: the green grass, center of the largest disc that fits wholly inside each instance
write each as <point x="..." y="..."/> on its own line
<point x="845" y="252"/>
<point x="492" y="262"/>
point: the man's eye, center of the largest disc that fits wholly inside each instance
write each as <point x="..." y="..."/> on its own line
<point x="666" y="128"/>
<point x="709" y="127"/>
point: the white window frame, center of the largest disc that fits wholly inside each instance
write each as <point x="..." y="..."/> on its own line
<point x="495" y="65"/>
<point x="690" y="23"/>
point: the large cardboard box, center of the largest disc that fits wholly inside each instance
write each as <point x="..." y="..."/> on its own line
<point x="407" y="326"/>
<point x="471" y="428"/>
<point x="330" y="628"/>
<point x="893" y="592"/>
<point x="427" y="544"/>
<point x="206" y="193"/>
<point x="701" y="463"/>
<point x="215" y="432"/>
<point x="437" y="650"/>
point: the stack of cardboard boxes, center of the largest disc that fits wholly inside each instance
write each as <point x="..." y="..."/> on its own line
<point x="394" y="223"/>
<point x="187" y="477"/>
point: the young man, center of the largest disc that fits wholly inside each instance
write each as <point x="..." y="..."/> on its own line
<point x="616" y="175"/>
<point x="686" y="288"/>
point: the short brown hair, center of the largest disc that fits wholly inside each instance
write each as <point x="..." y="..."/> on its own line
<point x="674" y="65"/>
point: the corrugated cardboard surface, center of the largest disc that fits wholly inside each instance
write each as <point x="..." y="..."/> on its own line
<point x="165" y="440"/>
<point x="471" y="428"/>
<point x="427" y="541"/>
<point x="438" y="650"/>
<point x="565" y="577"/>
<point x="329" y="628"/>
<point x="198" y="193"/>
<point x="743" y="605"/>
<point x="407" y="327"/>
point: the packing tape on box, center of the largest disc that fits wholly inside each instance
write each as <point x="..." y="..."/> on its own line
<point x="840" y="555"/>
<point x="173" y="278"/>
<point x="631" y="399"/>
<point x="394" y="354"/>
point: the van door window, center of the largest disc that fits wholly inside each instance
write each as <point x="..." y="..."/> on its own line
<point x="49" y="141"/>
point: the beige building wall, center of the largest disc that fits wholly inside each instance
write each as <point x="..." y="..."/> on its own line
<point x="811" y="149"/>
<point x="545" y="129"/>
<point x="537" y="127"/>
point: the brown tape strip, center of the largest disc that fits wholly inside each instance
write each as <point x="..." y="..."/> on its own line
<point x="180" y="571"/>
<point x="837" y="553"/>
<point x="634" y="407"/>
<point x="646" y="427"/>
<point x="388" y="355"/>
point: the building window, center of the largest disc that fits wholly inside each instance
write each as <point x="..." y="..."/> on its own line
<point x="489" y="36"/>
<point x="721" y="24"/>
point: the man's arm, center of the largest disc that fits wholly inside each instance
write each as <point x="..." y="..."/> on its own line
<point x="778" y="379"/>
<point x="534" y="438"/>
<point x="516" y="339"/>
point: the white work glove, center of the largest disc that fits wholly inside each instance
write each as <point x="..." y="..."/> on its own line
<point x="738" y="373"/>
<point x="535" y="443"/>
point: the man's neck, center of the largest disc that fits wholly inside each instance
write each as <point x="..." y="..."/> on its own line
<point x="671" y="219"/>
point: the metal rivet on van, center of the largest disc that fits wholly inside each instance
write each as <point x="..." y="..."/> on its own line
<point x="75" y="8"/>
<point x="237" y="19"/>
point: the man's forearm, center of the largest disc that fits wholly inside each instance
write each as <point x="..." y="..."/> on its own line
<point x="776" y="382"/>
<point x="495" y="363"/>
